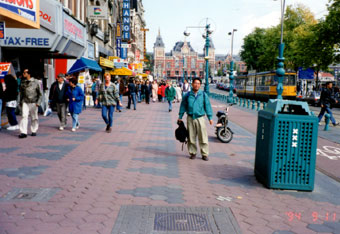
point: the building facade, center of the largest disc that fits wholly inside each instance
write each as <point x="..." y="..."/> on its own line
<point x="182" y="61"/>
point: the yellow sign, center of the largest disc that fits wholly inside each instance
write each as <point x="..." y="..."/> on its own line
<point x="112" y="58"/>
<point x="106" y="62"/>
<point x="122" y="72"/>
<point x="81" y="79"/>
<point x="118" y="31"/>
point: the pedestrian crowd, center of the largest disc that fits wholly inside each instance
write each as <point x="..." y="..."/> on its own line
<point x="24" y="95"/>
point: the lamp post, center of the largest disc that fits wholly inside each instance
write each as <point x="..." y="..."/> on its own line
<point x="183" y="69"/>
<point x="280" y="71"/>
<point x="231" y="73"/>
<point x="208" y="31"/>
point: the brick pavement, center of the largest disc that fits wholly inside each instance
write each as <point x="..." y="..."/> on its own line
<point x="90" y="174"/>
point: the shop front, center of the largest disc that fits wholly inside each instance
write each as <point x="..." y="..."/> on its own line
<point x="41" y="50"/>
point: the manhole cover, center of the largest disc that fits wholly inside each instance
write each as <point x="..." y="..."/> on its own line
<point x="175" y="220"/>
<point x="181" y="222"/>
<point x="26" y="196"/>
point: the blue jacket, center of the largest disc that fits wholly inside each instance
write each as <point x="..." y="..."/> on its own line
<point x="78" y="94"/>
<point x="196" y="106"/>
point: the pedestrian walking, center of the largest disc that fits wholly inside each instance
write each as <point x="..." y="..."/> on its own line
<point x="186" y="87"/>
<point x="95" y="90"/>
<point x="109" y="97"/>
<point x="163" y="87"/>
<point x="146" y="91"/>
<point x="154" y="90"/>
<point x="170" y="94"/>
<point x="139" y="91"/>
<point x="122" y="90"/>
<point x="327" y="99"/>
<point x="159" y="92"/>
<point x="59" y="98"/>
<point x="10" y="97"/>
<point x="178" y="93"/>
<point x="196" y="104"/>
<point x="30" y="100"/>
<point x="132" y="94"/>
<point x="1" y="100"/>
<point x="75" y="97"/>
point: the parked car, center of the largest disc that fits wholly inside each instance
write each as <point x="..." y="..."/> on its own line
<point x="313" y="98"/>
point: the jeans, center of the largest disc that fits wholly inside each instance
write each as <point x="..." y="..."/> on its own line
<point x="0" y="110"/>
<point x="75" y="121"/>
<point x="132" y="97"/>
<point x="121" y="101"/>
<point x="139" y="96"/>
<point x="12" y="118"/>
<point x="170" y="105"/>
<point x="329" y="111"/>
<point x="107" y="114"/>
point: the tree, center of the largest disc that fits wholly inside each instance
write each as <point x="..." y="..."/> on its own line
<point x="253" y="47"/>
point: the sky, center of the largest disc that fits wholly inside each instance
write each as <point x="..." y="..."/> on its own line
<point x="172" y="17"/>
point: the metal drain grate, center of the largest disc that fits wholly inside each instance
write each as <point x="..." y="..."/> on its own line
<point x="25" y="196"/>
<point x="175" y="220"/>
<point x="181" y="222"/>
<point x="29" y="194"/>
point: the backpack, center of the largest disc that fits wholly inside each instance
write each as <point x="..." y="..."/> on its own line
<point x="181" y="133"/>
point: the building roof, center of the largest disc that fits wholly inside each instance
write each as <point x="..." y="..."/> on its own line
<point x="159" y="41"/>
<point x="178" y="46"/>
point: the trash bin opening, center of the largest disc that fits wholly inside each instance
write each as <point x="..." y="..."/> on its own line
<point x="293" y="109"/>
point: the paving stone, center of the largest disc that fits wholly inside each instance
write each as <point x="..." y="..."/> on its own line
<point x="171" y="164"/>
<point x="59" y="152"/>
<point x="172" y="195"/>
<point x="120" y="144"/>
<point x="24" y="172"/>
<point x="103" y="164"/>
<point x="8" y="150"/>
<point x="77" y="136"/>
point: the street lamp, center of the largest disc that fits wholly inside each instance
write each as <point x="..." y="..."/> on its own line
<point x="231" y="74"/>
<point x="208" y="32"/>
<point x="183" y="69"/>
<point x="280" y="72"/>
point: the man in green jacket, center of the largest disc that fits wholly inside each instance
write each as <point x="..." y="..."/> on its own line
<point x="197" y="104"/>
<point x="170" y="93"/>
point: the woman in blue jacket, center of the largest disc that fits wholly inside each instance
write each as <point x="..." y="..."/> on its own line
<point x="75" y="97"/>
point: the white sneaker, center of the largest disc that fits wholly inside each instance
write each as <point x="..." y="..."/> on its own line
<point x="73" y="130"/>
<point x="61" y="128"/>
<point x="77" y="127"/>
<point x="12" y="128"/>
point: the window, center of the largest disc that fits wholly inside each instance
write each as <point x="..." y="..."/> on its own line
<point x="168" y="65"/>
<point x="177" y="73"/>
<point x="168" y="73"/>
<point x="201" y="74"/>
<point x="193" y="63"/>
<point x="177" y="63"/>
<point x="201" y="65"/>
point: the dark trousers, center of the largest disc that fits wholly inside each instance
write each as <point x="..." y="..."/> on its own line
<point x="107" y="114"/>
<point x="147" y="98"/>
<point x="12" y="118"/>
<point x="61" y="110"/>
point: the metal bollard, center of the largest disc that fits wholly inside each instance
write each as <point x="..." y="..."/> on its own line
<point x="253" y="104"/>
<point x="248" y="103"/>
<point x="239" y="101"/>
<point x="327" y="120"/>
<point x="264" y="105"/>
<point x="258" y="105"/>
<point x="244" y="102"/>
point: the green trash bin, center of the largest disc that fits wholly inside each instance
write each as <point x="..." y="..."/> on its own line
<point x="286" y="142"/>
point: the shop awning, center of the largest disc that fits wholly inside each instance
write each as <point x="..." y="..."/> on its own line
<point x="84" y="63"/>
<point x="122" y="72"/>
<point x="143" y="75"/>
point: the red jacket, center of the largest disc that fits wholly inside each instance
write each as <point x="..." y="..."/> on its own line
<point x="163" y="90"/>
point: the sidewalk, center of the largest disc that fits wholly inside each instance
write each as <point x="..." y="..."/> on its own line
<point x="64" y="182"/>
